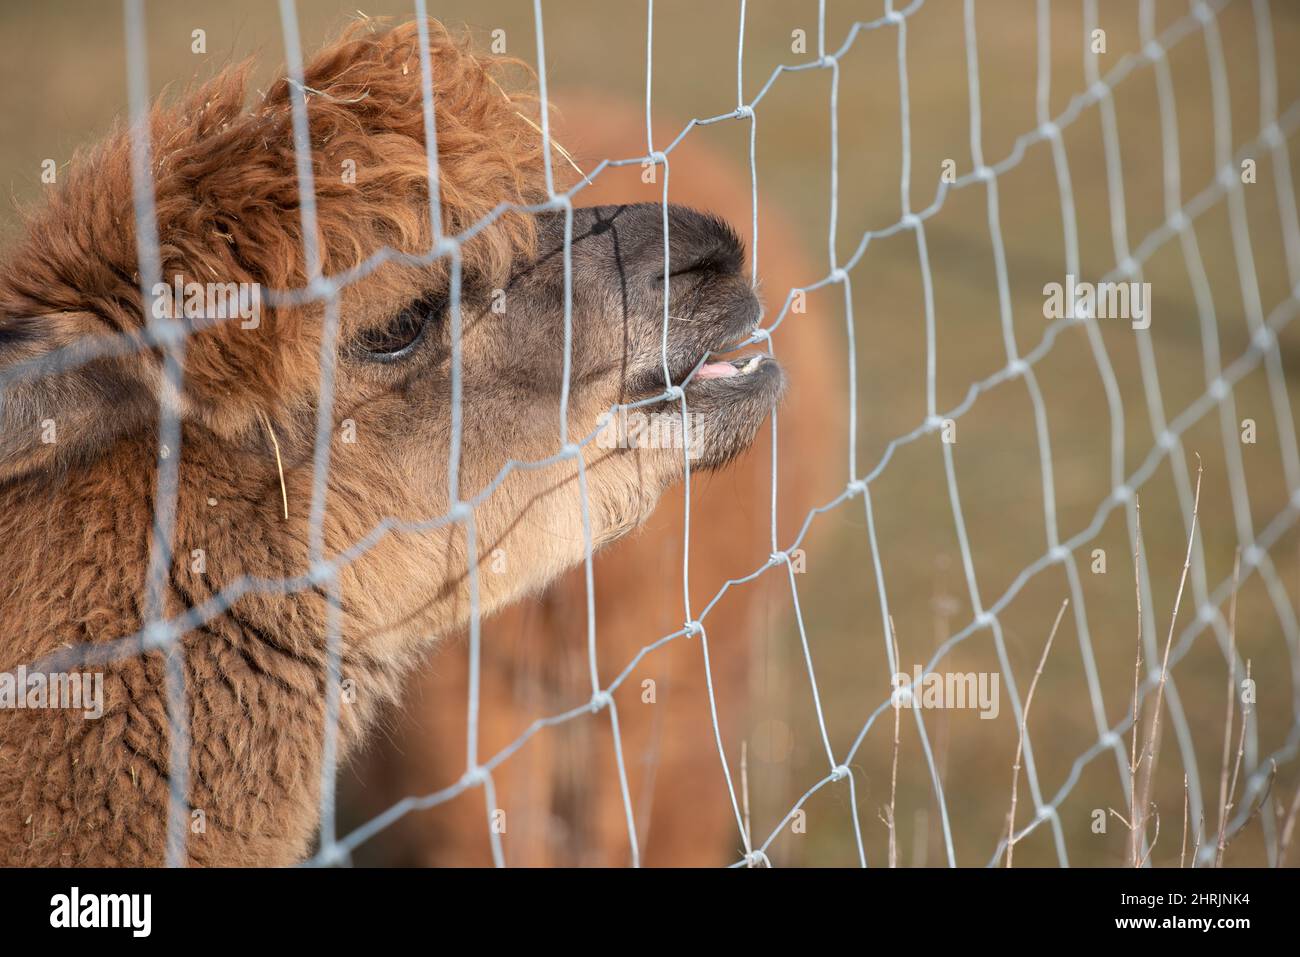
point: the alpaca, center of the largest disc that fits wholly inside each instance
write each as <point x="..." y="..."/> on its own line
<point x="95" y="792"/>
<point x="560" y="794"/>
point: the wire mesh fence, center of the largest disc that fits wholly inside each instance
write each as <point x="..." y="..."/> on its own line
<point x="1183" y="207"/>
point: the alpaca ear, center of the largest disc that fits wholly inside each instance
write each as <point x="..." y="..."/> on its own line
<point x="54" y="411"/>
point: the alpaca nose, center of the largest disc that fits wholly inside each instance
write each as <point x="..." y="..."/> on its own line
<point x="618" y="255"/>
<point x="700" y="245"/>
<point x="630" y="239"/>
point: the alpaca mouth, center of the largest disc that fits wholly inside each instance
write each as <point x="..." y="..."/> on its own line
<point x="726" y="401"/>
<point x="731" y="369"/>
<point x="708" y="376"/>
<point x="706" y="363"/>
<point x="753" y="381"/>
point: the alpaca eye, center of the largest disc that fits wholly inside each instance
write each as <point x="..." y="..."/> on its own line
<point x="400" y="337"/>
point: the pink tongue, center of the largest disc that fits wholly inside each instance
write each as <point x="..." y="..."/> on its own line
<point x="717" y="370"/>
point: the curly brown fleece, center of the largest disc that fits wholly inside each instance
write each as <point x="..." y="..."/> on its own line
<point x="75" y="514"/>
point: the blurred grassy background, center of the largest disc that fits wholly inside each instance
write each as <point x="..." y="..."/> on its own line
<point x="62" y="83"/>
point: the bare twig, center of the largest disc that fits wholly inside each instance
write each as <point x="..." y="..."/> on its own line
<point x="1259" y="805"/>
<point x="1153" y="734"/>
<point x="893" y="776"/>
<point x="1236" y="771"/>
<point x="1155" y="812"/>
<point x="1232" y="695"/>
<point x="1134" y="849"/>
<point x="1182" y="847"/>
<point x="1020" y="744"/>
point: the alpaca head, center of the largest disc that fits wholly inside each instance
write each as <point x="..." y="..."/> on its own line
<point x="409" y="437"/>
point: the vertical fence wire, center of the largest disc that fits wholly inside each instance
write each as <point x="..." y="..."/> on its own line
<point x="169" y="331"/>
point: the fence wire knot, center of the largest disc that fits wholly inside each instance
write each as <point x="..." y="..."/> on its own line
<point x="157" y="634"/>
<point x="321" y="573"/>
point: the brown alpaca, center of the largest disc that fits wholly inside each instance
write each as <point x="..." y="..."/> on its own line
<point x="76" y="513"/>
<point x="560" y="792"/>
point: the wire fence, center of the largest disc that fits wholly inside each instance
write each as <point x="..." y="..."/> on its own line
<point x="162" y="633"/>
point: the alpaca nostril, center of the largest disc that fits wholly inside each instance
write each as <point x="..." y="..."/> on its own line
<point x="717" y="261"/>
<point x="708" y="263"/>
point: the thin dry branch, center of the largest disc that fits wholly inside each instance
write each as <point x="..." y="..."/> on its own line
<point x="1182" y="847"/>
<point x="1020" y="744"/>
<point x="1232" y="695"/>
<point x="1155" y="812"/>
<point x="893" y="776"/>
<point x="1134" y="849"/>
<point x="1236" y="772"/>
<point x="1153" y="734"/>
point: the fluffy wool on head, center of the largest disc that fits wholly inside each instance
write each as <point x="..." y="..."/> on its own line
<point x="226" y="195"/>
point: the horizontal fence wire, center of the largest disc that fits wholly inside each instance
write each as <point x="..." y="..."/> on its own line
<point x="161" y="633"/>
